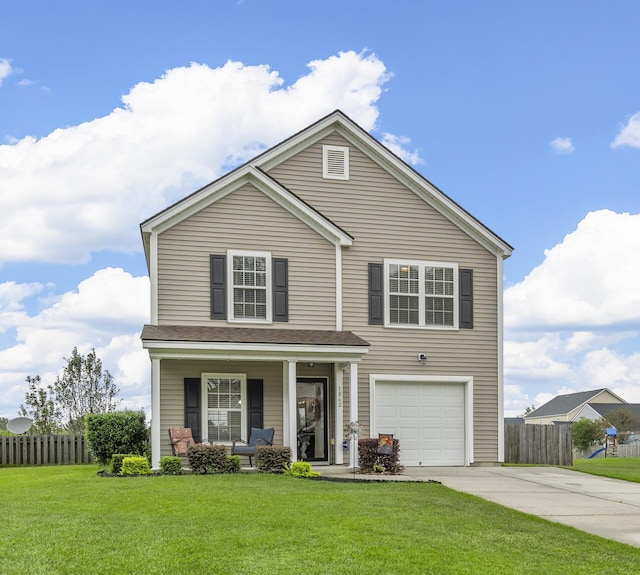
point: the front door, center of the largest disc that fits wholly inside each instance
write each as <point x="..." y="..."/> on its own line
<point x="311" y="402"/>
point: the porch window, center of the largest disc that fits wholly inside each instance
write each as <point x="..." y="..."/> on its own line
<point x="250" y="292"/>
<point x="224" y="398"/>
<point x="421" y="294"/>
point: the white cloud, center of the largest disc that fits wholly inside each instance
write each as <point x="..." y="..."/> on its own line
<point x="169" y="137"/>
<point x="397" y="144"/>
<point x="562" y="146"/>
<point x="587" y="281"/>
<point x="564" y="320"/>
<point x="629" y="135"/>
<point x="106" y="312"/>
<point x="5" y="69"/>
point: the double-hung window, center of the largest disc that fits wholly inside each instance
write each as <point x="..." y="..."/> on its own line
<point x="224" y="396"/>
<point x="421" y="294"/>
<point x="250" y="293"/>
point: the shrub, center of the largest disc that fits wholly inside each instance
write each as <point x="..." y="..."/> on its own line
<point x="116" y="432"/>
<point x="116" y="461"/>
<point x="136" y="465"/>
<point x="586" y="432"/>
<point x="370" y="461"/>
<point x="301" y="469"/>
<point x="233" y="464"/>
<point x="171" y="465"/>
<point x="273" y="458"/>
<point x="208" y="458"/>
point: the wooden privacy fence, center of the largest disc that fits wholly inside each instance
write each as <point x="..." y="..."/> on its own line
<point x="44" y="450"/>
<point x="541" y="444"/>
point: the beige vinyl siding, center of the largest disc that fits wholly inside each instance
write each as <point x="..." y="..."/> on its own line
<point x="244" y="220"/>
<point x="388" y="220"/>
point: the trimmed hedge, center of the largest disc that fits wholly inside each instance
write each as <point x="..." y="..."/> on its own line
<point x="135" y="466"/>
<point x="371" y="461"/>
<point x="208" y="459"/>
<point x="171" y="465"/>
<point x="273" y="458"/>
<point x="116" y="461"/>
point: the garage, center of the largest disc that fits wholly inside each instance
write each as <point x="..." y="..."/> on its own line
<point x="427" y="417"/>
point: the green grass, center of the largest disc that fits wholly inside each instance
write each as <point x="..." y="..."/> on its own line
<point x="627" y="468"/>
<point x="68" y="520"/>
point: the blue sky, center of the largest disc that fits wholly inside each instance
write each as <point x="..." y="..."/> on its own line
<point x="526" y="114"/>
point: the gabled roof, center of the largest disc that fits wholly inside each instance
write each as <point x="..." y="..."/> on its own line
<point x="604" y="409"/>
<point x="255" y="170"/>
<point x="225" y="185"/>
<point x="563" y="404"/>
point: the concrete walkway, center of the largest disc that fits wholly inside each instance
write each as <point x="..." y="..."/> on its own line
<point x="606" y="507"/>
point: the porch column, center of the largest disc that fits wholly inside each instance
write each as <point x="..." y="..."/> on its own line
<point x="353" y="410"/>
<point x="290" y="431"/>
<point x="338" y="401"/>
<point x="155" y="413"/>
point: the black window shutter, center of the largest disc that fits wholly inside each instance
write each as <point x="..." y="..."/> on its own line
<point x="280" y="289"/>
<point x="192" y="416"/>
<point x="255" y="401"/>
<point x="218" y="287"/>
<point x="376" y="294"/>
<point x="466" y="299"/>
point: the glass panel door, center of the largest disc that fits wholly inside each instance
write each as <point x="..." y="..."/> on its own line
<point x="312" y="418"/>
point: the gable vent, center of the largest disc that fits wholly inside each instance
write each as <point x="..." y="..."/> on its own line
<point x="335" y="162"/>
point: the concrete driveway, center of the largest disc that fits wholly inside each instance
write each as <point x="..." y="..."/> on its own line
<point x="606" y="507"/>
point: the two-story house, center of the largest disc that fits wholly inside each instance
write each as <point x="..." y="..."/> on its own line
<point x="326" y="282"/>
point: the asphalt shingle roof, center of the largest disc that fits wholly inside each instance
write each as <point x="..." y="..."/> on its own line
<point x="562" y="404"/>
<point x="250" y="335"/>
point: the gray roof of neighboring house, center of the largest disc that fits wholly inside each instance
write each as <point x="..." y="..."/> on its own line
<point x="564" y="403"/>
<point x="250" y="335"/>
<point x="605" y="409"/>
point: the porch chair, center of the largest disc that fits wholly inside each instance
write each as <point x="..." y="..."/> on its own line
<point x="181" y="440"/>
<point x="256" y="438"/>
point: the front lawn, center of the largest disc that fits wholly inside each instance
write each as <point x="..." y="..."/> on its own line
<point x="68" y="520"/>
<point x="627" y="468"/>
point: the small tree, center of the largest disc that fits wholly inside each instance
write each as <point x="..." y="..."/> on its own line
<point x="116" y="432"/>
<point x="40" y="405"/>
<point x="84" y="388"/>
<point x="624" y="421"/>
<point x="586" y="432"/>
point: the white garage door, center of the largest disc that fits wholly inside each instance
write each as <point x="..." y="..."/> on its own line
<point x="427" y="418"/>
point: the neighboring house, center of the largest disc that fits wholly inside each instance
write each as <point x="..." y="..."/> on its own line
<point x="322" y="283"/>
<point x="573" y="406"/>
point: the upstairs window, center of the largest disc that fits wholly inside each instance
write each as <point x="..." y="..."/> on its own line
<point x="335" y="162"/>
<point x="249" y="287"/>
<point x="421" y="294"/>
<point x="250" y="275"/>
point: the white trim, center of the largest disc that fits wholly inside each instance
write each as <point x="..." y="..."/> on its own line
<point x="338" y="288"/>
<point x="500" y="336"/>
<point x="353" y="411"/>
<point x="421" y="295"/>
<point x="291" y="438"/>
<point x="467" y="381"/>
<point x="155" y="414"/>
<point x="153" y="277"/>
<point x="338" y="402"/>
<point x="328" y="171"/>
<point x="204" y="393"/>
<point x="268" y="288"/>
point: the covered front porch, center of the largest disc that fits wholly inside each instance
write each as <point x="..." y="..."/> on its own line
<point x="307" y="381"/>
